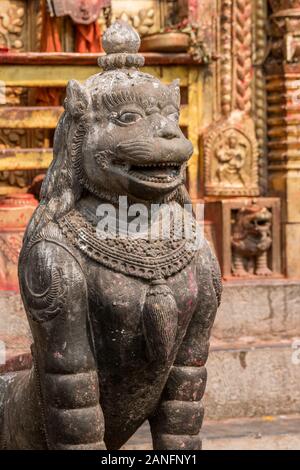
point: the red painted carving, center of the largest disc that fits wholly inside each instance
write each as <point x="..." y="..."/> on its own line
<point x="15" y="212"/>
<point x="81" y="11"/>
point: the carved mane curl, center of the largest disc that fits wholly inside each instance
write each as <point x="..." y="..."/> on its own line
<point x="61" y="188"/>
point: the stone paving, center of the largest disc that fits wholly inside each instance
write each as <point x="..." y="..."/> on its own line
<point x="266" y="433"/>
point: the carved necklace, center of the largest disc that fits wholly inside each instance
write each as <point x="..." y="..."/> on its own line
<point x="145" y="258"/>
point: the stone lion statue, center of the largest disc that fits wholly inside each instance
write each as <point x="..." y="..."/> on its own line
<point x="251" y="240"/>
<point x="120" y="325"/>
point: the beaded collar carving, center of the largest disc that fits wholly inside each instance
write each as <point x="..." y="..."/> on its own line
<point x="144" y="258"/>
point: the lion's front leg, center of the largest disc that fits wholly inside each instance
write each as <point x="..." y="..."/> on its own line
<point x="177" y="422"/>
<point x="55" y="295"/>
<point x="178" y="419"/>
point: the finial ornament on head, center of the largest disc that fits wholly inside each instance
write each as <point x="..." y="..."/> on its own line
<point x="121" y="43"/>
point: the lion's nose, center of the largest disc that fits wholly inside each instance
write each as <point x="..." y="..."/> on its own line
<point x="168" y="130"/>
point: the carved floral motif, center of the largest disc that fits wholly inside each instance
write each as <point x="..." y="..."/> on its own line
<point x="12" y="25"/>
<point x="14" y="96"/>
<point x="143" y="20"/>
<point x="12" y="138"/>
<point x="19" y="138"/>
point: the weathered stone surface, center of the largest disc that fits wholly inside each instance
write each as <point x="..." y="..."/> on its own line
<point x="14" y="331"/>
<point x="13" y="321"/>
<point x="256" y="442"/>
<point x="252" y="381"/>
<point x="266" y="433"/>
<point x="292" y="235"/>
<point x="292" y="187"/>
<point x="263" y="309"/>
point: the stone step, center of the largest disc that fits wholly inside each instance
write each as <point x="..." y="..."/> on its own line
<point x="264" y="309"/>
<point x="266" y="433"/>
<point x="246" y="376"/>
<point x="249" y="379"/>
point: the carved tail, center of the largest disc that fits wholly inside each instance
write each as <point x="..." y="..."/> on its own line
<point x="160" y="318"/>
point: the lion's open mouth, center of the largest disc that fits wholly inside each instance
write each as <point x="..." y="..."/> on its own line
<point x="156" y="172"/>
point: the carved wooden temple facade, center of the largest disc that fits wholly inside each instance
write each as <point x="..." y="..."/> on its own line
<point x="240" y="76"/>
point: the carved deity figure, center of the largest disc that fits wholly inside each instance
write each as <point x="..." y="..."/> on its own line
<point x="231" y="156"/>
<point x="81" y="11"/>
<point x="120" y="324"/>
<point x="251" y="241"/>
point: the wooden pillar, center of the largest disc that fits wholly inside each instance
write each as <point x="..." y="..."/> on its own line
<point x="283" y="92"/>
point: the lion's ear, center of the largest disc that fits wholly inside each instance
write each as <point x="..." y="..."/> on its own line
<point x="175" y="91"/>
<point x="78" y="100"/>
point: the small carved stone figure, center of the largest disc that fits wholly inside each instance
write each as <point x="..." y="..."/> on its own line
<point x="121" y="325"/>
<point x="231" y="155"/>
<point x="251" y="241"/>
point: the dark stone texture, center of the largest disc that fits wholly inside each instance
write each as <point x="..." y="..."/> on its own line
<point x="110" y="316"/>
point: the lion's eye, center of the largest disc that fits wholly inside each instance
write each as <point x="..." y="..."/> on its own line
<point x="129" y="118"/>
<point x="174" y="117"/>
